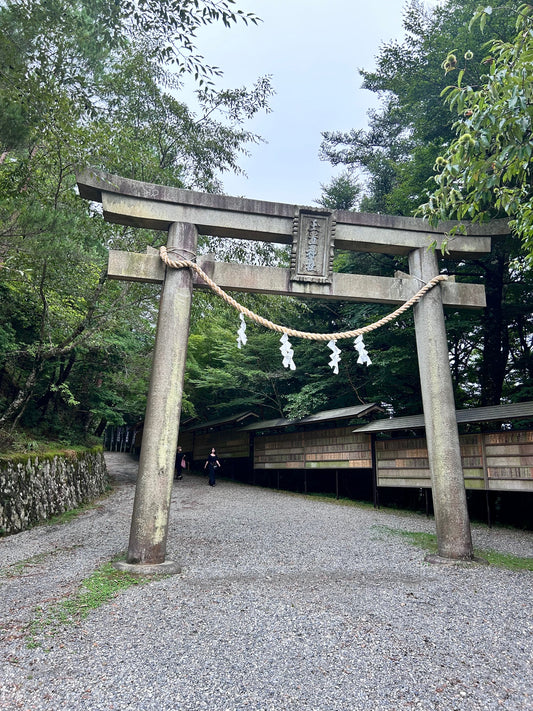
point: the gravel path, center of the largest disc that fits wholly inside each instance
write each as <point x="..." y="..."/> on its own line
<point x="284" y="603"/>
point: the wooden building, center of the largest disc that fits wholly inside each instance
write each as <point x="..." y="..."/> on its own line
<point x="494" y="461"/>
<point x="388" y="452"/>
<point x="319" y="442"/>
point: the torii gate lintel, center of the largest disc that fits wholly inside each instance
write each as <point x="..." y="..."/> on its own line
<point x="139" y="204"/>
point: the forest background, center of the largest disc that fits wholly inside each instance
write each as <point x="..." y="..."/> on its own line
<point x="98" y="84"/>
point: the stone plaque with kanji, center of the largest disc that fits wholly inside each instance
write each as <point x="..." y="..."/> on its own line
<point x="312" y="246"/>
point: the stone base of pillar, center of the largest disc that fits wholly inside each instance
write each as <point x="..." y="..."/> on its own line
<point x="440" y="560"/>
<point x="169" y="567"/>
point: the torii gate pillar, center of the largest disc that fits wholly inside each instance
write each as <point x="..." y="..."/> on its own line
<point x="149" y="525"/>
<point x="449" y="496"/>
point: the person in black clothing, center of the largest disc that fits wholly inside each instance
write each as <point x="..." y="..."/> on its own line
<point x="181" y="463"/>
<point x="212" y="464"/>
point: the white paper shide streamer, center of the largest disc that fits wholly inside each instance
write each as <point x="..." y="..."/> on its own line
<point x="335" y="356"/>
<point x="360" y="348"/>
<point x="287" y="352"/>
<point x="286" y="348"/>
<point x="242" y="338"/>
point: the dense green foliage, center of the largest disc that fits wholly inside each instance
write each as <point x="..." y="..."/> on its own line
<point x="81" y="85"/>
<point x="490" y="353"/>
<point x="99" y="84"/>
<point x="485" y="170"/>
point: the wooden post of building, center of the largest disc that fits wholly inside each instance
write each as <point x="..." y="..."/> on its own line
<point x="148" y="534"/>
<point x="374" y="470"/>
<point x="486" y="482"/>
<point x="449" y="496"/>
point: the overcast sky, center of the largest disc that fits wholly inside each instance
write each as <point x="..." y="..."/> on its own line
<point x="313" y="50"/>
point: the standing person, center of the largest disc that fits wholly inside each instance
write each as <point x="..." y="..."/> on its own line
<point x="212" y="464"/>
<point x="181" y="463"/>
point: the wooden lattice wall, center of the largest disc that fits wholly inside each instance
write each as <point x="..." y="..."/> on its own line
<point x="499" y="461"/>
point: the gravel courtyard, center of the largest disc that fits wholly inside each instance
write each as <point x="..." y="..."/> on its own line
<point x="284" y="603"/>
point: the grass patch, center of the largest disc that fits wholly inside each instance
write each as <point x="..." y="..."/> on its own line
<point x="332" y="499"/>
<point x="71" y="514"/>
<point x="428" y="543"/>
<point x="22" y="566"/>
<point x="506" y="560"/>
<point x="47" y="450"/>
<point x="21" y="440"/>
<point x="99" y="588"/>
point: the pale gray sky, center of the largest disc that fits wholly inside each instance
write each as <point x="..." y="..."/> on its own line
<point x="313" y="50"/>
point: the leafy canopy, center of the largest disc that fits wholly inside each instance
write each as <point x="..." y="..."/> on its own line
<point x="95" y="83"/>
<point x="486" y="170"/>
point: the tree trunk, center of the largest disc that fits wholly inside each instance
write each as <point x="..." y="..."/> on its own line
<point x="99" y="431"/>
<point x="64" y="371"/>
<point x="19" y="403"/>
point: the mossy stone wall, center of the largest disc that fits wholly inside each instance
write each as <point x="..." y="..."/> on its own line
<point x="36" y="487"/>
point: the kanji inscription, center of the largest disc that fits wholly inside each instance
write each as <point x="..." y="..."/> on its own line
<point x="312" y="246"/>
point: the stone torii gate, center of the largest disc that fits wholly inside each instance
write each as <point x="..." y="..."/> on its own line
<point x="313" y="234"/>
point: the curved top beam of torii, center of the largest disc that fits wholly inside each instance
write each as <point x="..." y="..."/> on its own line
<point x="140" y="204"/>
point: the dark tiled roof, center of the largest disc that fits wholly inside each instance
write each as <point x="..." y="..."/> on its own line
<point x="513" y="411"/>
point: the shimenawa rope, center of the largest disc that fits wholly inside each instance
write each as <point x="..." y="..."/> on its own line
<point x="186" y="263"/>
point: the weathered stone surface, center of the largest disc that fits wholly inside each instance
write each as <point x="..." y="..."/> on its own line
<point x="151" y="508"/>
<point x="447" y="483"/>
<point x="37" y="487"/>
<point x="139" y="204"/>
<point x="130" y="266"/>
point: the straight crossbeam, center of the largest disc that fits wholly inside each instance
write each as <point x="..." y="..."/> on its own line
<point x="131" y="266"/>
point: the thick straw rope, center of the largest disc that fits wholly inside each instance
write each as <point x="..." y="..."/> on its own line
<point x="185" y="263"/>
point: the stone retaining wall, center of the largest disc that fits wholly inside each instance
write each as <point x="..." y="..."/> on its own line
<point x="34" y="488"/>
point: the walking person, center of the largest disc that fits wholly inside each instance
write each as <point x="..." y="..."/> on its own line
<point x="212" y="464"/>
<point x="181" y="463"/>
